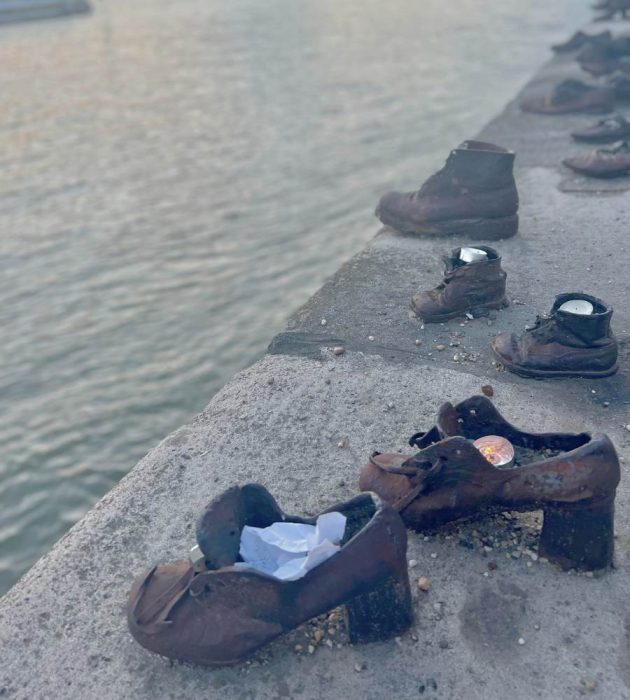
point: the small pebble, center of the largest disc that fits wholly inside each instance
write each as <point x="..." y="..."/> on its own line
<point x="298" y="647"/>
<point x="371" y="338"/>
<point x="469" y="316"/>
<point x="359" y="667"/>
<point x="339" y="350"/>
<point x="486" y="574"/>
<point x="537" y="627"/>
<point x="521" y="641"/>
<point x="487" y="390"/>
<point x="443" y="644"/>
<point x="341" y="444"/>
<point x="412" y="563"/>
<point x="440" y="347"/>
<point x="424" y="584"/>
<point x="628" y="427"/>
<point x="590" y="685"/>
<point x="433" y="555"/>
<point x="328" y="643"/>
<point x="418" y="341"/>
<point x="323" y="322"/>
<point x="311" y="649"/>
<point x="318" y="635"/>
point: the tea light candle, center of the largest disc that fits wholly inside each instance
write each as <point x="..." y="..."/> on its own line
<point x="469" y="255"/>
<point x="497" y="450"/>
<point x="577" y="306"/>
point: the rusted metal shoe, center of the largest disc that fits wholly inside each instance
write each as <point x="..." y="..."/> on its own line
<point x="474" y="194"/>
<point x="572" y="478"/>
<point x="604" y="163"/>
<point x="221" y="615"/>
<point x="610" y="8"/>
<point x="613" y="128"/>
<point x="572" y="96"/>
<point x="580" y="39"/>
<point x="564" y="343"/>
<point x="468" y="287"/>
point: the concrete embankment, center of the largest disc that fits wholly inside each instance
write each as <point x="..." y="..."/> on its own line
<point x="521" y="628"/>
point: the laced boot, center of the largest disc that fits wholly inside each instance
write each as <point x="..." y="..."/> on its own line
<point x="474" y="287"/>
<point x="474" y="194"/>
<point x="567" y="343"/>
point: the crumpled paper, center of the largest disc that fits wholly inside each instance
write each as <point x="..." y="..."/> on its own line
<point x="287" y="551"/>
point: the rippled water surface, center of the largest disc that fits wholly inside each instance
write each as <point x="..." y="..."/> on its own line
<point x="176" y="177"/>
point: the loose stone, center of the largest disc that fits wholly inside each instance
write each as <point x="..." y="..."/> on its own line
<point x="440" y="347"/>
<point x="339" y="350"/>
<point x="418" y="341"/>
<point x="487" y="390"/>
<point x="412" y="563"/>
<point x="341" y="444"/>
<point x="371" y="338"/>
<point x="424" y="584"/>
<point x="521" y="641"/>
<point x="359" y="667"/>
<point x="323" y="322"/>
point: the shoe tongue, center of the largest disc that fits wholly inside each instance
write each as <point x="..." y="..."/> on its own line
<point x="448" y="421"/>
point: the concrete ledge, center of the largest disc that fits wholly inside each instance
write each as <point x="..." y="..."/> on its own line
<point x="62" y="627"/>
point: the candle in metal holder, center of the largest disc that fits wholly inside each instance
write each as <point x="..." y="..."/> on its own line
<point x="469" y="255"/>
<point x="497" y="450"/>
<point x="578" y="306"/>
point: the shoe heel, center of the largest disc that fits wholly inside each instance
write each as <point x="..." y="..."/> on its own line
<point x="579" y="536"/>
<point x="381" y="613"/>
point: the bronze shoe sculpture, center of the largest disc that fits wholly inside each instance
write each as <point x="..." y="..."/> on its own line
<point x="474" y="194"/>
<point x="614" y="128"/>
<point x="222" y="614"/>
<point x="580" y="39"/>
<point x="475" y="287"/>
<point x="449" y="478"/>
<point x="572" y="96"/>
<point x="603" y="163"/>
<point x="564" y="343"/>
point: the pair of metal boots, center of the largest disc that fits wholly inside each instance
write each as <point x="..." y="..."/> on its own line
<point x="217" y="614"/>
<point x="561" y="344"/>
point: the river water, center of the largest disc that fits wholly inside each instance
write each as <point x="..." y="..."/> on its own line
<point x="177" y="177"/>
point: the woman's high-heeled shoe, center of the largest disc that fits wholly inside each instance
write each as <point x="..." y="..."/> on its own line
<point x="224" y="614"/>
<point x="449" y="478"/>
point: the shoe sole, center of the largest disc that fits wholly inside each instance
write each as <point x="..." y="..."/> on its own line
<point x="598" y="175"/>
<point x="479" y="229"/>
<point x="554" y="374"/>
<point x="601" y="139"/>
<point x="476" y="311"/>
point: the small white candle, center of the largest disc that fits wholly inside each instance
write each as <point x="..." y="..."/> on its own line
<point x="578" y="306"/>
<point x="469" y="255"/>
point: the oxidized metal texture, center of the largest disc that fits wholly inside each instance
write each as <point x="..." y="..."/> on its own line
<point x="222" y="615"/>
<point x="449" y="478"/>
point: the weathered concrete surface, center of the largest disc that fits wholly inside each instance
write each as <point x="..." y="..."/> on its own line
<point x="62" y="627"/>
<point x="28" y="10"/>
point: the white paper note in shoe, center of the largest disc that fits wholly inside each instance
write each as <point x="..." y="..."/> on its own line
<point x="288" y="551"/>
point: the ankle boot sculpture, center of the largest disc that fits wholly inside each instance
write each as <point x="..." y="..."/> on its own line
<point x="474" y="195"/>
<point x="575" y="340"/>
<point x="217" y="614"/>
<point x="473" y="282"/>
<point x="449" y="478"/>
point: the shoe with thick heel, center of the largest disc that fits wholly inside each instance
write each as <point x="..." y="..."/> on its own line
<point x="216" y="614"/>
<point x="572" y="478"/>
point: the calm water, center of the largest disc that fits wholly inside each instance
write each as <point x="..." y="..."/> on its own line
<point x="175" y="181"/>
